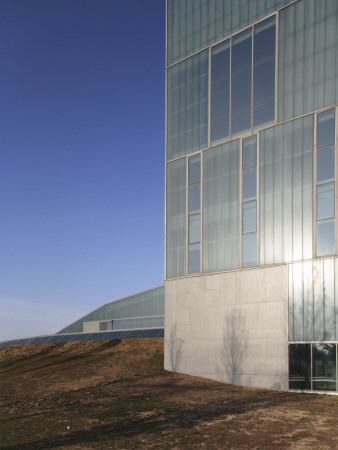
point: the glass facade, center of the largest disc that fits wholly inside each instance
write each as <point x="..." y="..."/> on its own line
<point x="261" y="122"/>
<point x="143" y="310"/>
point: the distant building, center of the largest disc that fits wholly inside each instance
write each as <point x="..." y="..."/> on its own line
<point x="251" y="283"/>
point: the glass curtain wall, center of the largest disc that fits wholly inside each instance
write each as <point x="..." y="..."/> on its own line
<point x="313" y="300"/>
<point x="326" y="229"/>
<point x="195" y="24"/>
<point x="286" y="192"/>
<point x="308" y="57"/>
<point x="176" y="218"/>
<point x="243" y="81"/>
<point x="249" y="201"/>
<point x="187" y="106"/>
<point x="313" y="366"/>
<point x="194" y="214"/>
<point x="221" y="205"/>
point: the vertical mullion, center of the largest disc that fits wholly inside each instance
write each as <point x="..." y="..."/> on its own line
<point x="240" y="202"/>
<point x="209" y="97"/>
<point x="187" y="216"/>
<point x="315" y="184"/>
<point x="276" y="66"/>
<point x="230" y="88"/>
<point x="252" y="71"/>
<point x="257" y="198"/>
<point x="201" y="213"/>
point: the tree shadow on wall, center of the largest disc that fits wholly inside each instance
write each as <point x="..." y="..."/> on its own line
<point x="175" y="346"/>
<point x="234" y="349"/>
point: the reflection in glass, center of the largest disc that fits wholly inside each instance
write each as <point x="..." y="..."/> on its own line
<point x="220" y="96"/>
<point x="264" y="113"/>
<point x="220" y="61"/>
<point x="324" y="367"/>
<point x="325" y="201"/>
<point x="241" y="121"/>
<point x="219" y="130"/>
<point x="194" y="169"/>
<point x="300" y="366"/>
<point x="264" y="40"/>
<point x="325" y="163"/>
<point x="249" y="152"/>
<point x="264" y="81"/>
<point x="194" y="228"/>
<point x="241" y="90"/>
<point x="249" y="249"/>
<point x="249" y="217"/>
<point x="194" y="198"/>
<point x="326" y="128"/>
<point x="241" y="51"/>
<point x="249" y="188"/>
<point x="194" y="258"/>
<point x="325" y="237"/>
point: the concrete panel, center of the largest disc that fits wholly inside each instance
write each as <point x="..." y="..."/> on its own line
<point x="231" y="327"/>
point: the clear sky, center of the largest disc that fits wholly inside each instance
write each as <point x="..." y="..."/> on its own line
<point x="82" y="97"/>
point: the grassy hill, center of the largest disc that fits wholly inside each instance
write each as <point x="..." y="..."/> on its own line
<point x="115" y="394"/>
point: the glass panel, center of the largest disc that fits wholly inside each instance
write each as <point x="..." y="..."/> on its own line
<point x="194" y="228"/>
<point x="324" y="367"/>
<point x="249" y="249"/>
<point x="325" y="237"/>
<point x="194" y="198"/>
<point x="249" y="217"/>
<point x="264" y="81"/>
<point x="265" y="39"/>
<point x="241" y="51"/>
<point x="241" y="121"/>
<point x="220" y="99"/>
<point x="194" y="258"/>
<point x="325" y="201"/>
<point x="194" y="169"/>
<point x="241" y="90"/>
<point x="300" y="366"/>
<point x="264" y="113"/>
<point x="249" y="152"/>
<point x="325" y="163"/>
<point x="325" y="128"/>
<point x="219" y="130"/>
<point x="249" y="188"/>
<point x="220" y="61"/>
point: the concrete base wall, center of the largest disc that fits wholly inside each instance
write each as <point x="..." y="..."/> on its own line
<point x="230" y="327"/>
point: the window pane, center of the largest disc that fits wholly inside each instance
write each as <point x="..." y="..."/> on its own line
<point x="194" y="258"/>
<point x="219" y="130"/>
<point x="249" y="188"/>
<point x="264" y="81"/>
<point x="325" y="201"/>
<point x="220" y="62"/>
<point x="241" y="51"/>
<point x="325" y="163"/>
<point x="194" y="228"/>
<point x="265" y="39"/>
<point x="241" y="90"/>
<point x="300" y="366"/>
<point x="249" y="155"/>
<point x="326" y="237"/>
<point x="249" y="217"/>
<point x="264" y="113"/>
<point x="194" y="198"/>
<point x="324" y="367"/>
<point x="241" y="121"/>
<point x="249" y="249"/>
<point x="194" y="169"/>
<point x="325" y="128"/>
<point x="220" y="99"/>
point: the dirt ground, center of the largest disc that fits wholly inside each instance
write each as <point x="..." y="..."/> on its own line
<point x="116" y="395"/>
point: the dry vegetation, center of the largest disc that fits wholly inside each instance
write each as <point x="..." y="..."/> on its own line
<point x="115" y="394"/>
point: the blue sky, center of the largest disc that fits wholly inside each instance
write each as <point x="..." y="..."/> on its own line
<point x="82" y="97"/>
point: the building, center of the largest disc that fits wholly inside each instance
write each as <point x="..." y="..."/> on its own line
<point x="251" y="278"/>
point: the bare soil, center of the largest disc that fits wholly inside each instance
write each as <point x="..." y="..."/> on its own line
<point x="116" y="395"/>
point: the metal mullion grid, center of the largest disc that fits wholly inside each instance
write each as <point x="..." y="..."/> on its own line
<point x="201" y="214"/>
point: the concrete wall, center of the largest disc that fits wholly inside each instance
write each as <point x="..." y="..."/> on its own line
<point x="230" y="327"/>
